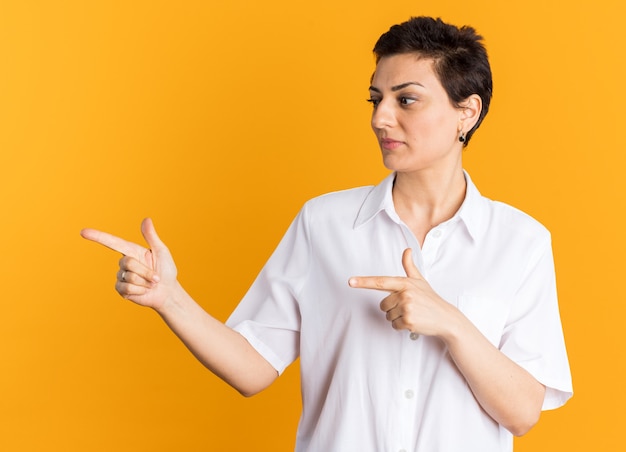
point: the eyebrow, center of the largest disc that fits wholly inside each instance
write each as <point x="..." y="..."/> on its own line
<point x="397" y="87"/>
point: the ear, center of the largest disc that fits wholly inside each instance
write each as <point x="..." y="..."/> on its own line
<point x="470" y="110"/>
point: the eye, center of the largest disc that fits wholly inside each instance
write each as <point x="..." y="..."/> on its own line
<point x="407" y="100"/>
<point x="373" y="101"/>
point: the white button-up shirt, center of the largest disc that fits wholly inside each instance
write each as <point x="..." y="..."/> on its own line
<point x="367" y="387"/>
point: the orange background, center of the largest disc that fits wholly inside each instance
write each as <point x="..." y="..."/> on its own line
<point x="219" y="121"/>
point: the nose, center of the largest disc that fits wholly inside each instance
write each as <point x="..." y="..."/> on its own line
<point x="383" y="116"/>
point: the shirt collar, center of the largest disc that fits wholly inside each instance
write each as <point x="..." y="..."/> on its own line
<point x="377" y="200"/>
<point x="472" y="212"/>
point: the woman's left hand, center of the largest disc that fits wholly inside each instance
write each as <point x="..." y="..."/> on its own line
<point x="507" y="392"/>
<point x="412" y="304"/>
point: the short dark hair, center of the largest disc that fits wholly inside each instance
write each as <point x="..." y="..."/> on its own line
<point x="460" y="58"/>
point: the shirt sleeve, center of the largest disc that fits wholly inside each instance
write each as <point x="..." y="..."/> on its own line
<point x="533" y="336"/>
<point x="268" y="316"/>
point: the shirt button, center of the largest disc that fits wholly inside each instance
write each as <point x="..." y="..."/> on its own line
<point x="402" y="450"/>
<point x="414" y="336"/>
<point x="409" y="393"/>
<point x="437" y="233"/>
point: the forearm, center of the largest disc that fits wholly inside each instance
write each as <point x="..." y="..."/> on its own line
<point x="506" y="391"/>
<point x="222" y="350"/>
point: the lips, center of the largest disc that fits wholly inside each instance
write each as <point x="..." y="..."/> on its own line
<point x="390" y="144"/>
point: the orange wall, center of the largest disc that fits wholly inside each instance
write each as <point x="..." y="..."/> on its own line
<point x="219" y="122"/>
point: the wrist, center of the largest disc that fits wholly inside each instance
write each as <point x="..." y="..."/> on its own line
<point x="173" y="300"/>
<point x="454" y="325"/>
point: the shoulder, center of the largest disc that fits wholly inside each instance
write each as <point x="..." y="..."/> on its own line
<point x="499" y="222"/>
<point x="509" y="222"/>
<point x="337" y="202"/>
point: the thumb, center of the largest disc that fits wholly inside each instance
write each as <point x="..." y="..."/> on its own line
<point x="151" y="236"/>
<point x="158" y="255"/>
<point x="409" y="266"/>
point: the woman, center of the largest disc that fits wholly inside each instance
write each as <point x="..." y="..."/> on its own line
<point x="464" y="350"/>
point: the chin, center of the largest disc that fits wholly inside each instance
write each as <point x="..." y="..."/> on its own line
<point x="400" y="167"/>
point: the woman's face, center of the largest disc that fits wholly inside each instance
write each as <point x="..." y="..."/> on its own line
<point x="416" y="125"/>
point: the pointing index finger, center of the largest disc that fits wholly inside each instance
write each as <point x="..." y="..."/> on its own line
<point x="387" y="283"/>
<point x="113" y="242"/>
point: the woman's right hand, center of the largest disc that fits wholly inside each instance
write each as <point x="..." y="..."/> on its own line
<point x="147" y="276"/>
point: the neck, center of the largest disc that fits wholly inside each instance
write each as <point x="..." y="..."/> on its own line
<point x="425" y="199"/>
